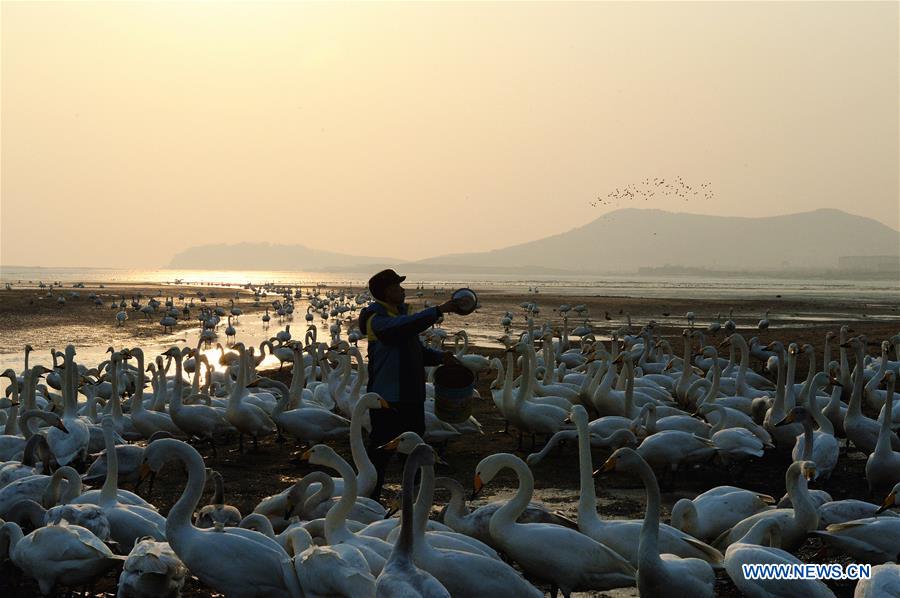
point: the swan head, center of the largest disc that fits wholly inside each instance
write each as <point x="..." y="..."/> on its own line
<point x="624" y="458"/>
<point x="373" y="400"/>
<point x="795" y="415"/>
<point x="890" y="500"/>
<point x="804" y="469"/>
<point x="578" y="416"/>
<point x="488" y="469"/>
<point x="320" y="454"/>
<point x="405" y="443"/>
<point x="776" y="346"/>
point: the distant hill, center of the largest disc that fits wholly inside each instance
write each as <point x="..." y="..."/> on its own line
<point x="268" y="256"/>
<point x="629" y="239"/>
<point x="622" y="241"/>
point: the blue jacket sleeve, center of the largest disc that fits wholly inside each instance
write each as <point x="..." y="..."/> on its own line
<point x="432" y="356"/>
<point x="392" y="330"/>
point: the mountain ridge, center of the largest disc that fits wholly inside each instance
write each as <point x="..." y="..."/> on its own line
<point x="623" y="240"/>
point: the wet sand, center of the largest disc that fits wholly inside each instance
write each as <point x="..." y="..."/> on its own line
<point x="253" y="475"/>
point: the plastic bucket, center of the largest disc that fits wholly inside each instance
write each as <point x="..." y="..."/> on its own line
<point x="453" y="389"/>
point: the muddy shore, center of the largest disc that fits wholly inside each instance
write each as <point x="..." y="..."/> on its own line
<point x="253" y="475"/>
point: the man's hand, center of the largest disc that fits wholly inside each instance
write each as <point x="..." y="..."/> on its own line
<point x="450" y="358"/>
<point x="449" y="307"/>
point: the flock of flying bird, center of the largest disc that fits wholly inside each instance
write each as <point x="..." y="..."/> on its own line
<point x="651" y="187"/>
<point x="653" y="411"/>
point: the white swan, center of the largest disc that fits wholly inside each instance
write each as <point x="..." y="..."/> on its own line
<point x="860" y="430"/>
<point x="749" y="550"/>
<point x="73" y="444"/>
<point x="127" y="522"/>
<point x="883" y="464"/>
<point x="623" y="535"/>
<point x="400" y="577"/>
<point x="256" y="565"/>
<point x="717" y="510"/>
<point x="217" y="512"/>
<point x="34" y="487"/>
<point x="819" y="447"/>
<point x="152" y="570"/>
<point x="339" y="570"/>
<point x="658" y="574"/>
<point x="336" y="532"/>
<point x="463" y="573"/>
<point x="794" y="523"/>
<point x="885" y="581"/>
<point x="62" y="554"/>
<point x="200" y="421"/>
<point x="247" y="417"/>
<point x="308" y="424"/>
<point x="567" y="559"/>
<point x="147" y="421"/>
<point x="365" y="510"/>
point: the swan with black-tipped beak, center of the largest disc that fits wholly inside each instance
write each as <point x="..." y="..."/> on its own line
<point x="660" y="574"/>
<point x="245" y="416"/>
<point x="201" y="421"/>
<point x="73" y="444"/>
<point x="567" y="559"/>
<point x="232" y="560"/>
<point x="623" y="535"/>
<point x="147" y="422"/>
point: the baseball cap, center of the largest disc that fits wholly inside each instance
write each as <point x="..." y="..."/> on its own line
<point x="382" y="280"/>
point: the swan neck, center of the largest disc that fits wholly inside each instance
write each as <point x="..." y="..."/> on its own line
<point x="508" y="513"/>
<point x="137" y="399"/>
<point x="587" y="501"/>
<point x="648" y="548"/>
<point x="336" y="519"/>
<point x="883" y="445"/>
<point x="179" y="518"/>
<point x="364" y="466"/>
<point x="110" y="485"/>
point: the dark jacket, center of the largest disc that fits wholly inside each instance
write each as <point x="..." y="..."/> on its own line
<point x="397" y="358"/>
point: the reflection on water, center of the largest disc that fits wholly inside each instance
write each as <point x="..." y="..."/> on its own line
<point x="606" y="284"/>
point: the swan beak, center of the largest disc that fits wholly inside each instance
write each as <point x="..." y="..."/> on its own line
<point x="384" y="404"/>
<point x="306" y="455"/>
<point x="144" y="472"/>
<point x="889" y="501"/>
<point x="609" y="465"/>
<point x="477" y="486"/>
<point x="834" y="382"/>
<point x="59" y="424"/>
<point x="391" y="446"/>
<point x="254" y="384"/>
<point x="810" y="472"/>
<point x="788" y="419"/>
<point x="440" y="461"/>
<point x="618" y="359"/>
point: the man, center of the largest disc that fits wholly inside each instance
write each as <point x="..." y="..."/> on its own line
<point x="397" y="360"/>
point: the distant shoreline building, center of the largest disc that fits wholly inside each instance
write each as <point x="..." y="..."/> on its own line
<point x="870" y="263"/>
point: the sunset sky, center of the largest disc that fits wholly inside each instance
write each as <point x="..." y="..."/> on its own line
<point x="131" y="131"/>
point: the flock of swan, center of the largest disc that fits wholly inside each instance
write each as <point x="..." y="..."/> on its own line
<point x="651" y="413"/>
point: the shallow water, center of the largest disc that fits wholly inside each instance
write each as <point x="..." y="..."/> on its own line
<point x="614" y="285"/>
<point x="853" y="301"/>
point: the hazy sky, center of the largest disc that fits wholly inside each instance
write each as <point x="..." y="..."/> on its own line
<point x="133" y="130"/>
